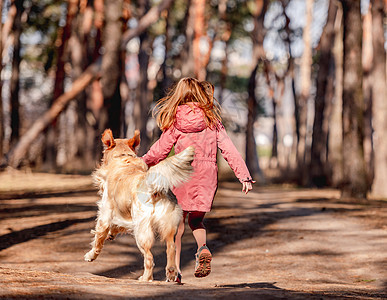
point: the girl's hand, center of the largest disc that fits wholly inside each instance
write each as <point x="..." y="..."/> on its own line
<point x="247" y="186"/>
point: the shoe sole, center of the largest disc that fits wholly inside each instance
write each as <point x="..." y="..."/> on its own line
<point x="204" y="267"/>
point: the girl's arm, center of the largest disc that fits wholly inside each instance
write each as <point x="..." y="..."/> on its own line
<point x="161" y="148"/>
<point x="232" y="156"/>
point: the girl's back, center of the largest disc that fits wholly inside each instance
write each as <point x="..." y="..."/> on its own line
<point x="191" y="129"/>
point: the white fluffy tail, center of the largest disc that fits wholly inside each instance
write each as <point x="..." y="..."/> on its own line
<point x="171" y="172"/>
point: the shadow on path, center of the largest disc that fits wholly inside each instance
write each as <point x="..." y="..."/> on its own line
<point x="46" y="194"/>
<point x="258" y="290"/>
<point x="32" y="210"/>
<point x="21" y="236"/>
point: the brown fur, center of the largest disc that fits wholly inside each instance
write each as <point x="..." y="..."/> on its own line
<point x="138" y="200"/>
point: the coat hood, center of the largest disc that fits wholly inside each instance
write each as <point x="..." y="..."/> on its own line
<point x="190" y="118"/>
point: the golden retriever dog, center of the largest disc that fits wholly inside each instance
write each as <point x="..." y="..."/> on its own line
<point x="138" y="200"/>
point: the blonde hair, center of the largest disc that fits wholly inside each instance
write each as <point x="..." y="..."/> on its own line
<point x="186" y="91"/>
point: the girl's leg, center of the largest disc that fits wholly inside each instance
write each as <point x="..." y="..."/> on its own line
<point x="179" y="235"/>
<point x="203" y="255"/>
<point x="195" y="221"/>
<point x="200" y="236"/>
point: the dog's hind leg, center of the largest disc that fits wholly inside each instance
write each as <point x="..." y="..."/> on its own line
<point x="167" y="228"/>
<point x="170" y="269"/>
<point x="145" y="238"/>
<point x="101" y="229"/>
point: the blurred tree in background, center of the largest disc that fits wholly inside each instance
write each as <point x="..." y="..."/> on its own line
<point x="302" y="84"/>
<point x="354" y="181"/>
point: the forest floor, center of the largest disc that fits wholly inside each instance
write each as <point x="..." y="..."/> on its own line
<point x="277" y="242"/>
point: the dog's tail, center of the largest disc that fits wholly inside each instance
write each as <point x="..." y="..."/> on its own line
<point x="171" y="172"/>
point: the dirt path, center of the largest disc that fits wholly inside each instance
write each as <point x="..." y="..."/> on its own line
<point x="275" y="243"/>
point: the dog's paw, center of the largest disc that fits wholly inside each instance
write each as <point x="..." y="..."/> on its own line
<point x="90" y="256"/>
<point x="142" y="278"/>
<point x="171" y="274"/>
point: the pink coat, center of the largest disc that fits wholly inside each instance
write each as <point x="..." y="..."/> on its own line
<point x="190" y="129"/>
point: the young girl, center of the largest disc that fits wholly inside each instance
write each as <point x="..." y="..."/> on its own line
<point x="188" y="117"/>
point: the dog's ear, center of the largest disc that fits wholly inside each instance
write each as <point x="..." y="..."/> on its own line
<point x="107" y="139"/>
<point x="135" y="140"/>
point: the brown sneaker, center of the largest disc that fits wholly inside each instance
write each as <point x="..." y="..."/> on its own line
<point x="203" y="262"/>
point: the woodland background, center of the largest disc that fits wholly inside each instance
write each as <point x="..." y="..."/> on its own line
<point x="302" y="83"/>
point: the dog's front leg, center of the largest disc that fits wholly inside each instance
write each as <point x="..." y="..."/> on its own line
<point x="101" y="229"/>
<point x="100" y="235"/>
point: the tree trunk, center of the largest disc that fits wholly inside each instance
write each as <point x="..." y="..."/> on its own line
<point x="319" y="140"/>
<point x="272" y="89"/>
<point x="223" y="74"/>
<point x="290" y="72"/>
<point x="199" y="68"/>
<point x="274" y="148"/>
<point x="379" y="91"/>
<point x="52" y="135"/>
<point x="143" y="101"/>
<point x="224" y="70"/>
<point x="367" y="94"/>
<point x="125" y="89"/>
<point x="335" y="138"/>
<point x="72" y="9"/>
<point x="78" y="143"/>
<point x="251" y="147"/>
<point x="355" y="183"/>
<point x="188" y="67"/>
<point x="112" y="65"/>
<point x="14" y="84"/>
<point x="95" y="91"/>
<point x="83" y="135"/>
<point x="282" y="140"/>
<point x="222" y="31"/>
<point x="252" y="105"/>
<point x="166" y="67"/>
<point x="1" y="88"/>
<point x="142" y="104"/>
<point x="305" y="82"/>
<point x="329" y="98"/>
<point x="94" y="50"/>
